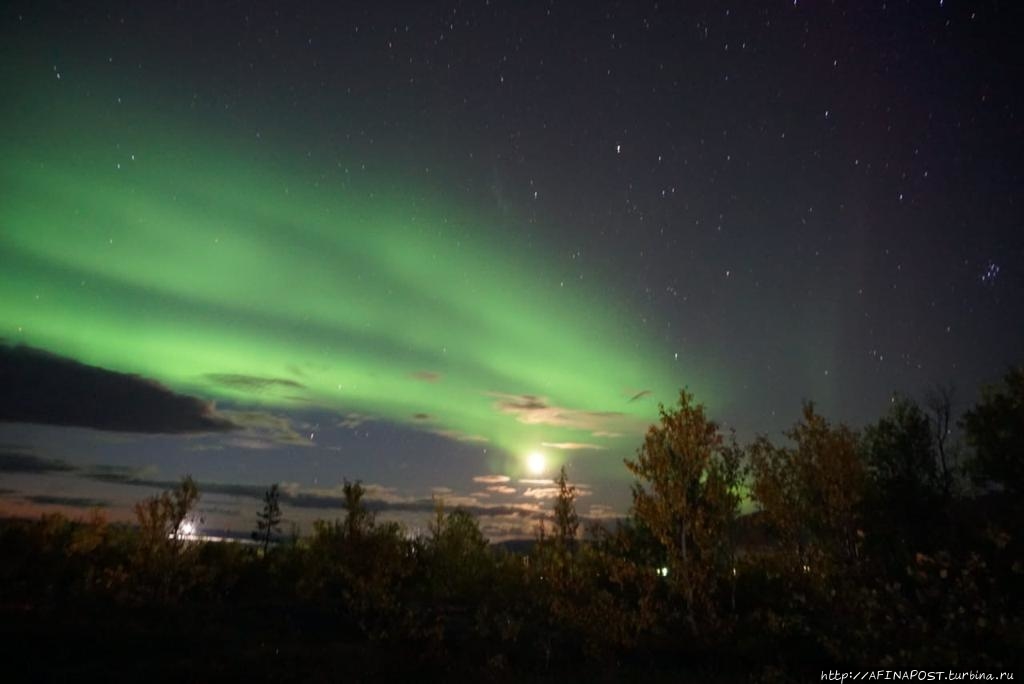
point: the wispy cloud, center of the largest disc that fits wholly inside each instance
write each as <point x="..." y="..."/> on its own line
<point x="251" y="383"/>
<point x="426" y="376"/>
<point x="264" y="430"/>
<point x="354" y="420"/>
<point x="457" y="436"/>
<point x="501" y="489"/>
<point x="541" y="493"/>
<point x="571" y="445"/>
<point x="602" y="512"/>
<point x="491" y="479"/>
<point x="536" y="410"/>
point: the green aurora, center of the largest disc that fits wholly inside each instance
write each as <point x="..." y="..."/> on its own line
<point x="217" y="269"/>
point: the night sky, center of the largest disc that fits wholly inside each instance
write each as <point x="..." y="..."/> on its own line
<point x="417" y="243"/>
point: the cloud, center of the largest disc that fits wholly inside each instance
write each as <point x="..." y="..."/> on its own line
<point x="418" y="505"/>
<point x="571" y="445"/>
<point x="264" y="431"/>
<point x="116" y="474"/>
<point x="73" y="501"/>
<point x="541" y="493"/>
<point x="377" y="498"/>
<point x="220" y="510"/>
<point x="639" y="395"/>
<point x="496" y="519"/>
<point x="353" y="420"/>
<point x="421" y="416"/>
<point x="20" y="460"/>
<point x="425" y="376"/>
<point x="602" y="512"/>
<point x="514" y="403"/>
<point x="537" y="482"/>
<point x="457" y="436"/>
<point x="205" y="447"/>
<point x="491" y="479"/>
<point x="39" y="387"/>
<point x="605" y="433"/>
<point x="146" y="477"/>
<point x="552" y="492"/>
<point x="534" y="410"/>
<point x="251" y="383"/>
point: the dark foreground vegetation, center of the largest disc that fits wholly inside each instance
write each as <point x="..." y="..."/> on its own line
<point x="894" y="548"/>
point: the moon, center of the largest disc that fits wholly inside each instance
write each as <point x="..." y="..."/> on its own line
<point x="536" y="463"/>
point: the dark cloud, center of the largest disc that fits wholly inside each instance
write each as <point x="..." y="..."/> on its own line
<point x="524" y="402"/>
<point x="16" y="460"/>
<point x="110" y="473"/>
<point x="138" y="478"/>
<point x="639" y="395"/>
<point x="39" y="387"/>
<point x="421" y="416"/>
<point x="74" y="501"/>
<point x="251" y="383"/>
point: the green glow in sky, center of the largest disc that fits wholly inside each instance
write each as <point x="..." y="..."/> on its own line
<point x="155" y="250"/>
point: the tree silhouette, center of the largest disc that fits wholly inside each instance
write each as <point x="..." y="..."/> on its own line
<point x="162" y="518"/>
<point x="995" y="430"/>
<point x="269" y="519"/>
<point x="358" y="519"/>
<point x="900" y="455"/>
<point x="686" y="494"/>
<point x="567" y="521"/>
<point x="162" y="535"/>
<point x="899" y="451"/>
<point x="811" y="493"/>
<point x="457" y="553"/>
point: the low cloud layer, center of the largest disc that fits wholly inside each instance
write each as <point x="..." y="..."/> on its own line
<point x="72" y="501"/>
<point x="14" y="459"/>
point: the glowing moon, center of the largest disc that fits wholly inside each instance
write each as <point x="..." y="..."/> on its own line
<point x="536" y="463"/>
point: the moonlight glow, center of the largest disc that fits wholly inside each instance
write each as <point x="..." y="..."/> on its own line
<point x="536" y="463"/>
